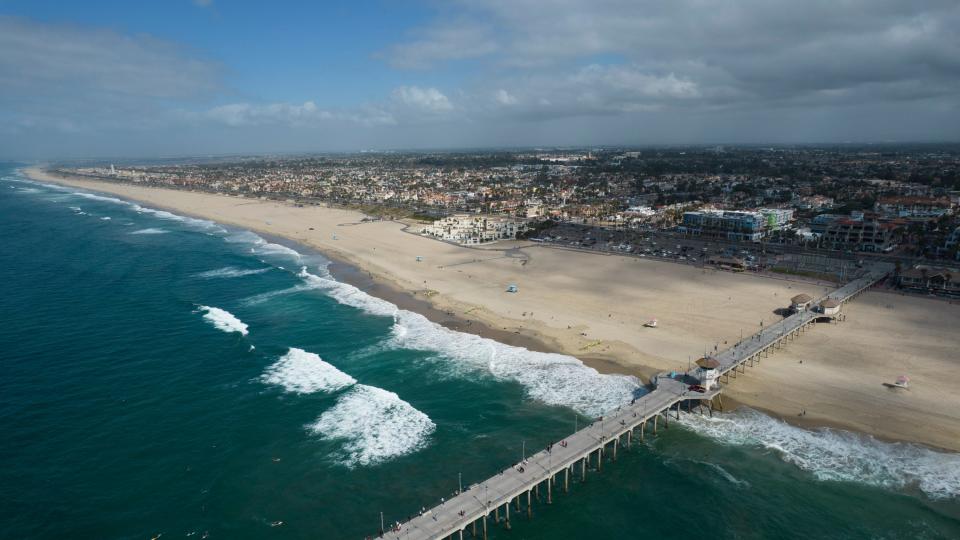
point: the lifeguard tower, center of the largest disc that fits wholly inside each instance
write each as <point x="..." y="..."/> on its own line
<point x="708" y="372"/>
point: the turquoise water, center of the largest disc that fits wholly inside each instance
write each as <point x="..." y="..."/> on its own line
<point x="163" y="375"/>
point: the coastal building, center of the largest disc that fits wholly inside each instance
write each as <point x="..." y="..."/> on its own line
<point x="859" y="234"/>
<point x="801" y="302"/>
<point x="830" y="307"/>
<point x="931" y="279"/>
<point x="914" y="207"/>
<point x="469" y="229"/>
<point x="736" y="225"/>
<point x="952" y="244"/>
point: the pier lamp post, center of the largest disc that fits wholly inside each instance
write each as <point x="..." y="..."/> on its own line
<point x="459" y="483"/>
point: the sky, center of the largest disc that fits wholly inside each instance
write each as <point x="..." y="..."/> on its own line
<point x="199" y="77"/>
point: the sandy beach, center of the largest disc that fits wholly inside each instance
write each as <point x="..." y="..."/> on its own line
<point x="594" y="306"/>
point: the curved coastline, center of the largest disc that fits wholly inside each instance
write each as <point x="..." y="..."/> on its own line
<point x="450" y="312"/>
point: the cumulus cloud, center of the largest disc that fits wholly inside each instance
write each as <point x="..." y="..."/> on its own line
<point x="504" y="98"/>
<point x="425" y="100"/>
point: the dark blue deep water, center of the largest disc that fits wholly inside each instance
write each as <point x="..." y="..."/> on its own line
<point x="167" y="376"/>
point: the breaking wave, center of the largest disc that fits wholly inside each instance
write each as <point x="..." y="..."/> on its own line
<point x="303" y="372"/>
<point x="162" y="214"/>
<point x="834" y="455"/>
<point x="151" y="230"/>
<point x="223" y="320"/>
<point x="231" y="272"/>
<point x="372" y="425"/>
<point x="554" y="379"/>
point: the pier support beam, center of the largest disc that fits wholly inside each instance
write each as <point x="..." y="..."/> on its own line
<point x="583" y="470"/>
<point x="484" y="527"/>
<point x="529" y="506"/>
<point x="600" y="459"/>
<point x="496" y="513"/>
<point x="615" y="441"/>
<point x="550" y="489"/>
<point x="642" y="425"/>
<point x="507" y="522"/>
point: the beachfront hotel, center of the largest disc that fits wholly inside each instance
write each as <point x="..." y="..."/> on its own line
<point x="469" y="229"/>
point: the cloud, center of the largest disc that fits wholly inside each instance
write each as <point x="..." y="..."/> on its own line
<point x="62" y="60"/>
<point x="440" y="43"/>
<point x="246" y="114"/>
<point x="504" y="98"/>
<point x="425" y="100"/>
<point x="306" y="114"/>
<point x="747" y="53"/>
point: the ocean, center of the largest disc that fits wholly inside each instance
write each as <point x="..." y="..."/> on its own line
<point x="164" y="376"/>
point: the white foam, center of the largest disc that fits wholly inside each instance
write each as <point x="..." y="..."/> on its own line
<point x="231" y="272"/>
<point x="554" y="379"/>
<point x="303" y="372"/>
<point x="150" y="230"/>
<point x="106" y="218"/>
<point x="348" y="295"/>
<point x="162" y="214"/>
<point x="373" y="425"/>
<point x="223" y="320"/>
<point x="261" y="246"/>
<point x="834" y="455"/>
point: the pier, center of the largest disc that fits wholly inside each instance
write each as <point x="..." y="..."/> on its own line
<point x="511" y="493"/>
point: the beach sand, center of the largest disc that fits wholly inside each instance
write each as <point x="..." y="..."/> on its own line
<point x="593" y="306"/>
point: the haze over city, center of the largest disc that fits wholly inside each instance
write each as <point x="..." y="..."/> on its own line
<point x="172" y="78"/>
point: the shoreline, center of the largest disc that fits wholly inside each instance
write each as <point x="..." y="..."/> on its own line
<point x="350" y="269"/>
<point x="376" y="284"/>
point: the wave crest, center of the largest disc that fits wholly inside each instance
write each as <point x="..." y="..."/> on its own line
<point x="231" y="272"/>
<point x="222" y="319"/>
<point x="373" y="425"/>
<point x="304" y="372"/>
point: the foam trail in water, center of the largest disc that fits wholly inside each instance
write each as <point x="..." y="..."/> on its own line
<point x="303" y="372"/>
<point x="373" y="425"/>
<point x="231" y="272"/>
<point x="838" y="455"/>
<point x="223" y="320"/>
<point x="162" y="214"/>
<point x="151" y="230"/>
<point x="554" y="379"/>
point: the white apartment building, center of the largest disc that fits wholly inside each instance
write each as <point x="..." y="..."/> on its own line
<point x="470" y="229"/>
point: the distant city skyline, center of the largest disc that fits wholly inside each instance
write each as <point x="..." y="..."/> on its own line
<point x="102" y="79"/>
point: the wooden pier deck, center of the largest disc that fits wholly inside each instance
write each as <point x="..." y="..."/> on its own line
<point x="512" y="491"/>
